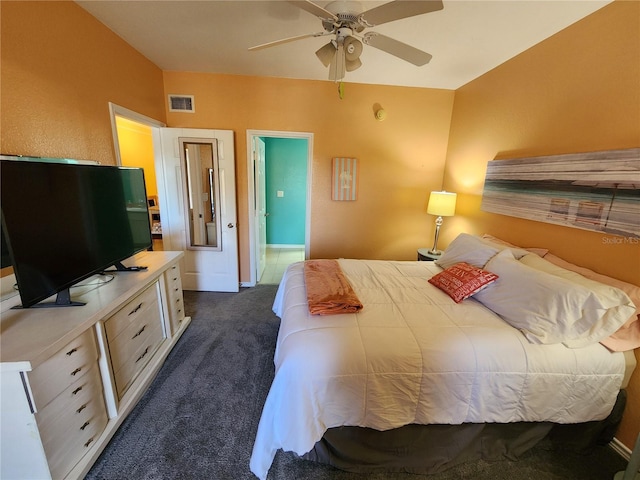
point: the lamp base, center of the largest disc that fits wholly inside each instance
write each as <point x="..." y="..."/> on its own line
<point x="425" y="255"/>
<point x="434" y="250"/>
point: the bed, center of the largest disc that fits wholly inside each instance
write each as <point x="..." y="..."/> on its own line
<point x="414" y="355"/>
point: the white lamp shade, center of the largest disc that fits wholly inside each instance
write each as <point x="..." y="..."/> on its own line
<point x="352" y="48"/>
<point x="442" y="204"/>
<point x="326" y="54"/>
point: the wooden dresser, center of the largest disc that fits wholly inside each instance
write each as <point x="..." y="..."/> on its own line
<point x="69" y="376"/>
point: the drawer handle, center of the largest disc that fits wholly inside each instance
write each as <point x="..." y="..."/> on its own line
<point x="139" y="333"/>
<point x="136" y="309"/>
<point x="72" y="351"/>
<point x="88" y="442"/>
<point x="76" y="391"/>
<point x="86" y="424"/>
<point x="76" y="371"/>
<point x="81" y="408"/>
<point x="146" y="350"/>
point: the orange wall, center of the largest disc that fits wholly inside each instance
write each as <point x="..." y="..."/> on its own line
<point x="60" y="68"/>
<point x="578" y="91"/>
<point x="401" y="158"/>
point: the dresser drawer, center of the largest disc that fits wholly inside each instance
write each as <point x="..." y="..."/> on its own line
<point x="174" y="297"/>
<point x="69" y="444"/>
<point x="133" y="335"/>
<point x="56" y="374"/>
<point x="74" y="405"/>
<point x="144" y="305"/>
<point x="132" y="356"/>
<point x="71" y="422"/>
<point x="128" y="345"/>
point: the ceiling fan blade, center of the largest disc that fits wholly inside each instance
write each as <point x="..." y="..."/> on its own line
<point x="287" y="40"/>
<point x="396" y="48"/>
<point x="398" y="9"/>
<point x="341" y="63"/>
<point x="337" y="67"/>
<point x="314" y="9"/>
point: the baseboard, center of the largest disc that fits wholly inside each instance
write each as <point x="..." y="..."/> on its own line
<point x="620" y="448"/>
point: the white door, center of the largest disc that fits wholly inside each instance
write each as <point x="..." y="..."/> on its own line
<point x="198" y="204"/>
<point x="261" y="206"/>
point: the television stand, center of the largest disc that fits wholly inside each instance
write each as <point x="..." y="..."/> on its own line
<point x="69" y="378"/>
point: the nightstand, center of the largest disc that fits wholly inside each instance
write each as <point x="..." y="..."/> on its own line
<point x="425" y="256"/>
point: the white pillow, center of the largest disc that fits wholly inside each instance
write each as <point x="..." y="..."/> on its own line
<point x="613" y="293"/>
<point x="627" y="337"/>
<point x="472" y="250"/>
<point x="468" y="249"/>
<point x="550" y="309"/>
<point x="538" y="251"/>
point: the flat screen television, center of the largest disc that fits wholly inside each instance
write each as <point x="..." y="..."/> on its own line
<point x="63" y="223"/>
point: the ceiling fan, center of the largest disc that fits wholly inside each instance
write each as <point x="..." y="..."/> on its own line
<point x="346" y="20"/>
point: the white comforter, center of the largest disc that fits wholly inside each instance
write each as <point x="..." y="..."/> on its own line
<point x="414" y="356"/>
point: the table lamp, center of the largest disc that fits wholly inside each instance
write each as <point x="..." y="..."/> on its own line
<point x="442" y="204"/>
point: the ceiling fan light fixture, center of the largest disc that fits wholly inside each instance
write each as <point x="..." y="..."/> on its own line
<point x="352" y="48"/>
<point x="343" y="33"/>
<point x="341" y="18"/>
<point x="326" y="53"/>
<point x="352" y="65"/>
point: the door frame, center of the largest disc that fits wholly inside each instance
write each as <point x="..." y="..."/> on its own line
<point x="155" y="125"/>
<point x="251" y="193"/>
<point x="117" y="110"/>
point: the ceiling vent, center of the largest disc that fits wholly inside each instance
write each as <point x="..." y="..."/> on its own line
<point x="182" y="103"/>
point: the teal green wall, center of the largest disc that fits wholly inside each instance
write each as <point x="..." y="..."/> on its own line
<point x="286" y="170"/>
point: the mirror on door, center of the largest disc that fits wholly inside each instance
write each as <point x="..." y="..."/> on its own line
<point x="199" y="159"/>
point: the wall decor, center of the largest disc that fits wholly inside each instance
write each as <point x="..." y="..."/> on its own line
<point x="597" y="191"/>
<point x="344" y="184"/>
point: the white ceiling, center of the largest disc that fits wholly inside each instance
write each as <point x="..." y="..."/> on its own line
<point x="467" y="38"/>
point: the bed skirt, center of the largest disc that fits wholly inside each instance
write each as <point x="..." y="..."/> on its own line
<point x="428" y="449"/>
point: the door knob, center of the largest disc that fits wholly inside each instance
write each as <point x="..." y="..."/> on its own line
<point x="230" y="225"/>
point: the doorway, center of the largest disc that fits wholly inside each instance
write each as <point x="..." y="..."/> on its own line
<point x="258" y="196"/>
<point x="133" y="145"/>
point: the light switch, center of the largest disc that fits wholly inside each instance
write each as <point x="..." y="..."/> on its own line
<point x="280" y="193"/>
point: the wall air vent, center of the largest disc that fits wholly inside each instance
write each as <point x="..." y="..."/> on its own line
<point x="182" y="103"/>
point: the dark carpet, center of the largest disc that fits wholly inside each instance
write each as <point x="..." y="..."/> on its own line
<point x="199" y="417"/>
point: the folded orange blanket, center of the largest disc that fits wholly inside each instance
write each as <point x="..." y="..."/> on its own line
<point x="328" y="290"/>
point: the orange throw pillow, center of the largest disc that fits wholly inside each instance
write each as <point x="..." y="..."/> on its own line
<point x="462" y="280"/>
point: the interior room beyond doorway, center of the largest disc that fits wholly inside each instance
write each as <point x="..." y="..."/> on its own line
<point x="135" y="143"/>
<point x="278" y="259"/>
